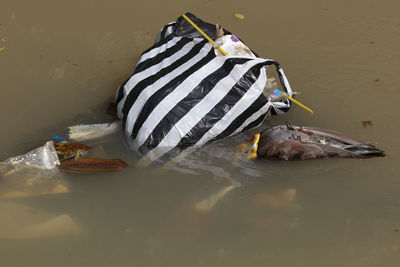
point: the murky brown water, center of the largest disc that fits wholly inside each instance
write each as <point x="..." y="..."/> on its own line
<point x="61" y="65"/>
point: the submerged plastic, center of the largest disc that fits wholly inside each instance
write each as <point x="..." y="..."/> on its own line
<point x="44" y="157"/>
<point x="29" y="174"/>
<point x="40" y="162"/>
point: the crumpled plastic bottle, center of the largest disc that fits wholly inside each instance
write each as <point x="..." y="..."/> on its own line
<point x="44" y="157"/>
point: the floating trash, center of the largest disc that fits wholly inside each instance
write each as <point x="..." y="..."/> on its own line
<point x="70" y="150"/>
<point x="3" y="47"/>
<point x="44" y="158"/>
<point x="367" y="123"/>
<point x="200" y="97"/>
<point x="90" y="165"/>
<point x="293" y="142"/>
<point x="92" y="131"/>
<point x="32" y="174"/>
<point x="239" y="16"/>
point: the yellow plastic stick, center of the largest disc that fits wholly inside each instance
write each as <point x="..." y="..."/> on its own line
<point x="224" y="53"/>
<point x="252" y="154"/>
<point x="204" y="34"/>
<point x="297" y="102"/>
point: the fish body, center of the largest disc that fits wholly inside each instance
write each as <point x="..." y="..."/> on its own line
<point x="294" y="142"/>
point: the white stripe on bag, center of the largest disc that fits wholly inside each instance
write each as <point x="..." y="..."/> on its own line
<point x="185" y="124"/>
<point x="251" y="95"/>
<point x="180" y="92"/>
<point x="153" y="88"/>
<point x="246" y="101"/>
<point x="138" y="77"/>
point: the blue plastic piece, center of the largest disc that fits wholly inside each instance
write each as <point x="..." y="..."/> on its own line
<point x="57" y="138"/>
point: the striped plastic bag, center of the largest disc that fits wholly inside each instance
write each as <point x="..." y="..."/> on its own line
<point x="182" y="94"/>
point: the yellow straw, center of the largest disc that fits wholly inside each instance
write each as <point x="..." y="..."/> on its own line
<point x="224" y="53"/>
<point x="297" y="102"/>
<point x="204" y="34"/>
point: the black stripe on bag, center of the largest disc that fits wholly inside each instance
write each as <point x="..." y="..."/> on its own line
<point x="192" y="99"/>
<point x="164" y="30"/>
<point x="236" y="123"/>
<point x="120" y="91"/>
<point x="167" y="89"/>
<point x="212" y="117"/>
<point x="221" y="108"/>
<point x="170" y="29"/>
<point x="135" y="92"/>
<point x="256" y="122"/>
<point x="176" y="151"/>
<point x="160" y="43"/>
<point x="273" y="111"/>
<point x="278" y="69"/>
<point x="173" y="153"/>
<point x="162" y="33"/>
<point x="161" y="56"/>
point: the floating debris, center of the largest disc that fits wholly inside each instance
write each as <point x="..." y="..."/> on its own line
<point x="283" y="199"/>
<point x="42" y="158"/>
<point x="3" y="47"/>
<point x="59" y="139"/>
<point x="92" y="131"/>
<point x="67" y="151"/>
<point x="206" y="205"/>
<point x="58" y="189"/>
<point x="367" y="123"/>
<point x="239" y="16"/>
<point x="90" y="165"/>
<point x="291" y="142"/>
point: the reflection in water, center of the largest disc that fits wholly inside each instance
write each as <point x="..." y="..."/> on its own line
<point x="221" y="160"/>
<point x="281" y="200"/>
<point x="26" y="223"/>
<point x="208" y="204"/>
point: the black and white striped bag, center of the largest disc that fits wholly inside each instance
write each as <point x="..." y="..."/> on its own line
<point x="182" y="94"/>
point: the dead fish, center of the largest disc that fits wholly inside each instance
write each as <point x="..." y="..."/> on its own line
<point x="90" y="165"/>
<point x="293" y="142"/>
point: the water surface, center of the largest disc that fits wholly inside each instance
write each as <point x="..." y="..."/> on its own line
<point x="61" y="65"/>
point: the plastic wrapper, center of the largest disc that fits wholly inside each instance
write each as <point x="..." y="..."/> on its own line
<point x="86" y="132"/>
<point x="44" y="157"/>
<point x="233" y="47"/>
<point x="29" y="174"/>
<point x="183" y="94"/>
